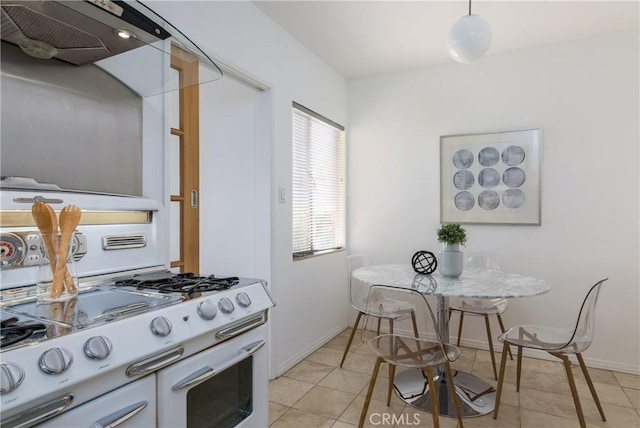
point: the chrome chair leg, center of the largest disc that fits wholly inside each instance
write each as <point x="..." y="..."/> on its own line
<point x="353" y="332"/>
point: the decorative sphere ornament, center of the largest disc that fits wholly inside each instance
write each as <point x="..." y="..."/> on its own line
<point x="469" y="38"/>
<point x="424" y="262"/>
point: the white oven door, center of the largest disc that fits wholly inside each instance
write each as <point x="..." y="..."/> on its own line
<point x="221" y="387"/>
<point x="132" y="406"/>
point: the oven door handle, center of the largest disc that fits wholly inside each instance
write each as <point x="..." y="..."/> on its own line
<point x="120" y="416"/>
<point x="40" y="413"/>
<point x="195" y="378"/>
<point x="205" y="373"/>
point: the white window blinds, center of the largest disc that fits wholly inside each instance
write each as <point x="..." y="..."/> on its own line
<point x="318" y="183"/>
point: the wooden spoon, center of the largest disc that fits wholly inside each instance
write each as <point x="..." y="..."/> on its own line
<point x="69" y="219"/>
<point x="68" y="281"/>
<point x="70" y="311"/>
<point x="49" y="233"/>
<point x="57" y="313"/>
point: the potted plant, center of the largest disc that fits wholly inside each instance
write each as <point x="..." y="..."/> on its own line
<point x="452" y="235"/>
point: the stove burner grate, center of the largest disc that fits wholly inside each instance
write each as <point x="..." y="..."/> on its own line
<point x="186" y="283"/>
<point x="11" y="331"/>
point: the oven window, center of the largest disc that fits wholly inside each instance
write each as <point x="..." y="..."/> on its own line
<point x="224" y="400"/>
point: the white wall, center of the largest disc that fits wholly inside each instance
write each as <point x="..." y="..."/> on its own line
<point x="584" y="96"/>
<point x="310" y="294"/>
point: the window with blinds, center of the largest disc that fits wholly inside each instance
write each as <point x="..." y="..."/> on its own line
<point x="318" y="184"/>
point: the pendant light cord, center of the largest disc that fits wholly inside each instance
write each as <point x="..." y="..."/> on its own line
<point x="469" y="7"/>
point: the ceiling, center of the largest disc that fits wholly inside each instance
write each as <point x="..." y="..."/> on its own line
<point x="364" y="38"/>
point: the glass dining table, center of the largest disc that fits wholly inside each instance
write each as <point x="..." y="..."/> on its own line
<point x="476" y="396"/>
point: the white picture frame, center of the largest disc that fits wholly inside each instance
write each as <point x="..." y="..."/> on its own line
<point x="491" y="178"/>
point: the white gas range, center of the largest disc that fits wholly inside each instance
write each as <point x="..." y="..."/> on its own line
<point x="139" y="345"/>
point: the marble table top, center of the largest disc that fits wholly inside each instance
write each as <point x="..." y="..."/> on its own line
<point x="473" y="283"/>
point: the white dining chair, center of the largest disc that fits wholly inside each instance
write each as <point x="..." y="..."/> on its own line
<point x="390" y="310"/>
<point x="559" y="342"/>
<point x="481" y="307"/>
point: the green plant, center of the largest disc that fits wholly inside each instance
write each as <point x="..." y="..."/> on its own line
<point x="452" y="233"/>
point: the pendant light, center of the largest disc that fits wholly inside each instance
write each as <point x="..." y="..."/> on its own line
<point x="469" y="38"/>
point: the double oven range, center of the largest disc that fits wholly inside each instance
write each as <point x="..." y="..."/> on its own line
<point x="139" y="346"/>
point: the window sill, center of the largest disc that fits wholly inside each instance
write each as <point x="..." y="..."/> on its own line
<point x="304" y="256"/>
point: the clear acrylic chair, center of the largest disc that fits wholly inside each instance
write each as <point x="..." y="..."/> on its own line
<point x="359" y="294"/>
<point x="559" y="342"/>
<point x="410" y="352"/>
<point x="481" y="307"/>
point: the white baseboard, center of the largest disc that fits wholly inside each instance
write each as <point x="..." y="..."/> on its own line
<point x="305" y="352"/>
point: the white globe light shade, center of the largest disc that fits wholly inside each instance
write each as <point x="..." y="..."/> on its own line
<point x="469" y="38"/>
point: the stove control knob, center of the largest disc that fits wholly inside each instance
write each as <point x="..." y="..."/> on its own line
<point x="97" y="347"/>
<point x="55" y="361"/>
<point x="160" y="326"/>
<point x="207" y="310"/>
<point x="11" y="376"/>
<point x="243" y="299"/>
<point x="226" y="305"/>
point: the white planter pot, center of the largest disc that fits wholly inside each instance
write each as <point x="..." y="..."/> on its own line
<point x="451" y="260"/>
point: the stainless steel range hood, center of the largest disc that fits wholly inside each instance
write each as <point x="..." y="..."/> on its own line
<point x="125" y="38"/>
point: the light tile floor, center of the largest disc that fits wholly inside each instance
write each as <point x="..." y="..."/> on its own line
<point x="317" y="393"/>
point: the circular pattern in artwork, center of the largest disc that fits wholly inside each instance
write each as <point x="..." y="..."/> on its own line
<point x="513" y="198"/>
<point x="424" y="262"/>
<point x="463" y="159"/>
<point x="488" y="200"/>
<point x="464" y="201"/>
<point x="513" y="155"/>
<point x="488" y="178"/>
<point x="489" y="156"/>
<point x="463" y="179"/>
<point x="513" y="177"/>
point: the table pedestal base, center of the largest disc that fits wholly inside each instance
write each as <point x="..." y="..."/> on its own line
<point x="476" y="397"/>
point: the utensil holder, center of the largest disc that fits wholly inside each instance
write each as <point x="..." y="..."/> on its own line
<point x="56" y="281"/>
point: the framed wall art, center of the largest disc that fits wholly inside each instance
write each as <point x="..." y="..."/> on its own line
<point x="490" y="178"/>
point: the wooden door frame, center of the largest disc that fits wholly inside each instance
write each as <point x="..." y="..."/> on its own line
<point x="187" y="67"/>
